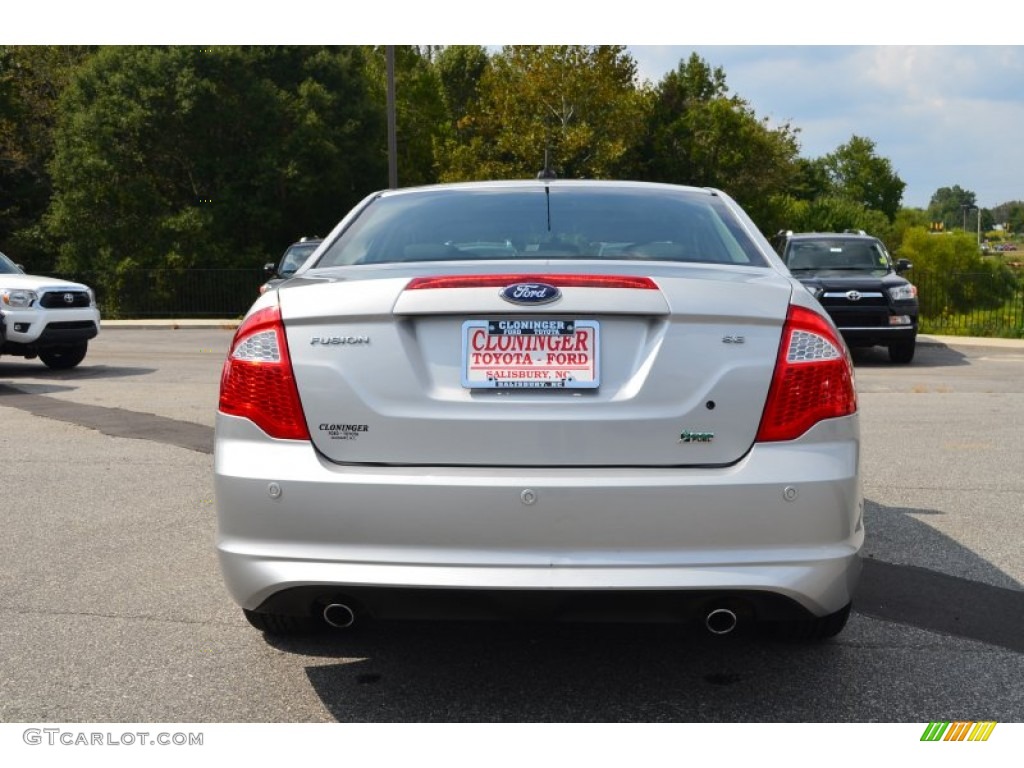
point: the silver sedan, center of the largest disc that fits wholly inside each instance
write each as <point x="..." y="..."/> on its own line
<point x="544" y="399"/>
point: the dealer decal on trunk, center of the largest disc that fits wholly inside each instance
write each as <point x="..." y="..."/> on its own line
<point x="343" y="431"/>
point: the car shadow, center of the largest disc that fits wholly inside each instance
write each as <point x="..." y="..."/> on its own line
<point x="22" y="372"/>
<point x="115" y="422"/>
<point x="522" y="672"/>
<point x="930" y="355"/>
<point x="466" y="672"/>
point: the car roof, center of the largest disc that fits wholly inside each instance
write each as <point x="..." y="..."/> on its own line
<point x="829" y="235"/>
<point x="469" y="186"/>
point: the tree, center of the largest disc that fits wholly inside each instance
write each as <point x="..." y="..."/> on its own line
<point x="579" y="103"/>
<point x="213" y="157"/>
<point x="949" y="205"/>
<point x="834" y="214"/>
<point x="1010" y="215"/>
<point x="31" y="81"/>
<point x="701" y="135"/>
<point x="857" y="173"/>
<point x="460" y="69"/>
<point x="811" y="179"/>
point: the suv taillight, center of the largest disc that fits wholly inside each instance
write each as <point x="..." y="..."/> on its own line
<point x="257" y="382"/>
<point x="813" y="378"/>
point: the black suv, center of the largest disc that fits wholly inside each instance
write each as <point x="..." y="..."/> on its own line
<point x="294" y="256"/>
<point x="859" y="285"/>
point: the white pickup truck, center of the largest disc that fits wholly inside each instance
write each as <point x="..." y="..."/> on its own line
<point x="45" y="317"/>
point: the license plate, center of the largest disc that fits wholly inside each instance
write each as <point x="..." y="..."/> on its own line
<point x="530" y="353"/>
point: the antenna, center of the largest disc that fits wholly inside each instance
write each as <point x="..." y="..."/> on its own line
<point x="547" y="173"/>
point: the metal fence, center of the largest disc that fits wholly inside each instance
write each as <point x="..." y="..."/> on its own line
<point x="173" y="293"/>
<point x="986" y="304"/>
<point x="969" y="304"/>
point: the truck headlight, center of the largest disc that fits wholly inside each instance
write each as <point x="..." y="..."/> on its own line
<point x="903" y="292"/>
<point x="18" y="298"/>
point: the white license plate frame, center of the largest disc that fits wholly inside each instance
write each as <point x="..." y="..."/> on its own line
<point x="525" y="353"/>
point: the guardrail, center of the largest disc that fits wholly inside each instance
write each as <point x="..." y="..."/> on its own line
<point x="967" y="304"/>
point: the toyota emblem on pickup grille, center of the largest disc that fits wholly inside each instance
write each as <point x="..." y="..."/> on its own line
<point x="69" y="298"/>
<point x="853" y="295"/>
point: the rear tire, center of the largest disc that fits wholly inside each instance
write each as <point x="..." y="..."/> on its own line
<point x="902" y="352"/>
<point x="282" y="624"/>
<point x="809" y="630"/>
<point x="65" y="356"/>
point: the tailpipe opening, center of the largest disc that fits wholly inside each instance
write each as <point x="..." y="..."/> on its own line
<point x="721" y="621"/>
<point x="339" y="615"/>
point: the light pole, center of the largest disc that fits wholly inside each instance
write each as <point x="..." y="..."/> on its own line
<point x="967" y="208"/>
<point x="389" y="57"/>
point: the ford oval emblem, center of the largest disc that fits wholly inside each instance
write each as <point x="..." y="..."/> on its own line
<point x="531" y="293"/>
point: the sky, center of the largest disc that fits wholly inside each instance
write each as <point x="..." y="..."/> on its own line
<point x="942" y="115"/>
<point x="939" y="87"/>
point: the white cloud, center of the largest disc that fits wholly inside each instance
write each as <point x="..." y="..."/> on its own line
<point x="942" y="115"/>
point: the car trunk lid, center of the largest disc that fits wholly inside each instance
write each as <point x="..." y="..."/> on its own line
<point x="669" y="367"/>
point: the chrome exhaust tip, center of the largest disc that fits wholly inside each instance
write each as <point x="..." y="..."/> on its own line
<point x="721" y="621"/>
<point x="339" y="615"/>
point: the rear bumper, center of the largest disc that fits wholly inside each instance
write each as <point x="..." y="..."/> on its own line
<point x="785" y="521"/>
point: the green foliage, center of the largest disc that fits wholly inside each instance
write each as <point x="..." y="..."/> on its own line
<point x="949" y="205"/>
<point x="460" y="68"/>
<point x="180" y="157"/>
<point x="856" y="173"/>
<point x="31" y="80"/>
<point x="833" y="214"/>
<point x="201" y="157"/>
<point x="957" y="276"/>
<point x="1010" y="215"/>
<point x="579" y="103"/>
<point x="700" y="135"/>
<point x="906" y="219"/>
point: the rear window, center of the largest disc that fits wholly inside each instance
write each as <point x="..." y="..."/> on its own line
<point x="461" y="224"/>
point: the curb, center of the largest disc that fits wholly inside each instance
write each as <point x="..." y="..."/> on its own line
<point x="172" y="324"/>
<point x="969" y="341"/>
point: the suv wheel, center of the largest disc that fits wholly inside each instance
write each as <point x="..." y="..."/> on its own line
<point x="65" y="356"/>
<point x="902" y="352"/>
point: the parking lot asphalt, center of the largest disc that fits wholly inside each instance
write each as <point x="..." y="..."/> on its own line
<point x="113" y="607"/>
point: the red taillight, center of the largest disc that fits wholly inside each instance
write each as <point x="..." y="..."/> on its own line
<point x="257" y="382"/>
<point x="813" y="378"/>
<point x="561" y="281"/>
